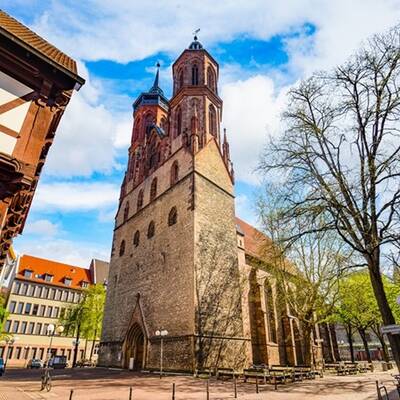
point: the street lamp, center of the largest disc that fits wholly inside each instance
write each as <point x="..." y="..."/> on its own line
<point x="51" y="330"/>
<point x="161" y="333"/>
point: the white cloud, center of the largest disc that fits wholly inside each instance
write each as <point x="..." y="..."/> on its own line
<point x="42" y="227"/>
<point x="75" y="253"/>
<point x="252" y="110"/>
<point x="244" y="209"/>
<point x="73" y="196"/>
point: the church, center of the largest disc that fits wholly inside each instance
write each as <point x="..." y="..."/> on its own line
<point x="181" y="261"/>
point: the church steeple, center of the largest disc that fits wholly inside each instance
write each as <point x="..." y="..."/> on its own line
<point x="156" y="88"/>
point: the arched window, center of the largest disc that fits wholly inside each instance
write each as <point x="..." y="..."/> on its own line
<point x="172" y="216"/>
<point x="164" y="125"/>
<point x="269" y="306"/>
<point x="136" y="130"/>
<point x="180" y="79"/>
<point x="178" y="122"/>
<point x="136" y="239"/>
<point x="211" y="79"/>
<point x="174" y="172"/>
<point x="149" y="121"/>
<point x="153" y="189"/>
<point x="140" y="199"/>
<point x="126" y="211"/>
<point x="212" y="120"/>
<point x="122" y="248"/>
<point x="195" y="74"/>
<point x="151" y="230"/>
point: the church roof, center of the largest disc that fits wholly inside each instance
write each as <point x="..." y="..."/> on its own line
<point x="22" y="35"/>
<point x="195" y="45"/>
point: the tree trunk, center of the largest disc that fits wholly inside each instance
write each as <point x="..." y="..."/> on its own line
<point x="78" y="333"/>
<point x="365" y="343"/>
<point x="383" y="343"/>
<point x="307" y="345"/>
<point x="93" y="342"/>
<point x="384" y="308"/>
<point x="349" y="332"/>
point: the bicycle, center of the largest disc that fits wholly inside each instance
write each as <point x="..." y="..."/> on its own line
<point x="46" y="381"/>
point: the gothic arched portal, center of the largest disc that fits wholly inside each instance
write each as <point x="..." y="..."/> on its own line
<point x="134" y="347"/>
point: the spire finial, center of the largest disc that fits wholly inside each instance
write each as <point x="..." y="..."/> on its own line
<point x="195" y="34"/>
<point x="155" y="88"/>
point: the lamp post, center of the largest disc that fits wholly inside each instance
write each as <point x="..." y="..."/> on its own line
<point x="161" y="333"/>
<point x="51" y="330"/>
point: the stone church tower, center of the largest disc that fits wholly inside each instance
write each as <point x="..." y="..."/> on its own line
<point x="174" y="262"/>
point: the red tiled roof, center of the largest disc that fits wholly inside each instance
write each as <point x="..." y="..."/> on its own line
<point x="41" y="266"/>
<point x="255" y="242"/>
<point x="31" y="39"/>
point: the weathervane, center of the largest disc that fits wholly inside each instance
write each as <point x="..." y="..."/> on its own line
<point x="195" y="33"/>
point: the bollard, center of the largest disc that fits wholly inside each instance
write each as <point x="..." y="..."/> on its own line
<point x="275" y="383"/>
<point x="130" y="393"/>
<point x="71" y="393"/>
<point x="257" y="384"/>
<point x="173" y="391"/>
<point x="235" y="387"/>
<point x="208" y="389"/>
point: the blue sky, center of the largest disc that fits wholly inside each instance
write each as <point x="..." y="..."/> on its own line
<point x="262" y="47"/>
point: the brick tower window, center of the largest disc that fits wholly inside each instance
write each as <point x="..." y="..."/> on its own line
<point x="212" y="120"/>
<point x="136" y="239"/>
<point x="174" y="172"/>
<point x="153" y="189"/>
<point x="140" y="199"/>
<point x="172" y="216"/>
<point x="180" y="79"/>
<point x="211" y="79"/>
<point x="178" y="122"/>
<point x="122" y="248"/>
<point x="151" y="230"/>
<point x="126" y="211"/>
<point x="195" y="75"/>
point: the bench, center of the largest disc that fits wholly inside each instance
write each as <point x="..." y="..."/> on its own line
<point x="227" y="373"/>
<point x="256" y="373"/>
<point x="282" y="373"/>
<point x="206" y="371"/>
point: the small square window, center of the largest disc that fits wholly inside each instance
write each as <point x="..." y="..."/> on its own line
<point x="67" y="281"/>
<point x="28" y="273"/>
<point x="48" y="278"/>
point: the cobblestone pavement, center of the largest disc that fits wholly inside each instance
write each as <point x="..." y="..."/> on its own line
<point x="104" y="384"/>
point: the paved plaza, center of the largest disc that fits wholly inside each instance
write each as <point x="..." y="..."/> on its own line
<point x="104" y="384"/>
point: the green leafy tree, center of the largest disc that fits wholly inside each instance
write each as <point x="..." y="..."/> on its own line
<point x="85" y="318"/>
<point x="3" y="317"/>
<point x="357" y="308"/>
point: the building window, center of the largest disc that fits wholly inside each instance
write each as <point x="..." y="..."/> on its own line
<point x="35" y="309"/>
<point x="172" y="216"/>
<point x="24" y="289"/>
<point x="38" y="329"/>
<point x="195" y="75"/>
<point x="85" y="284"/>
<point x="122" y="248"/>
<point x="140" y="199"/>
<point x="28" y="308"/>
<point x="151" y="230"/>
<point x="58" y="294"/>
<point x="65" y="295"/>
<point x="269" y="305"/>
<point x="20" y="308"/>
<point x="178" y="121"/>
<point x="180" y="79"/>
<point x="136" y="239"/>
<point x="153" y="189"/>
<point x="39" y="291"/>
<point x="56" y="312"/>
<point x="126" y="211"/>
<point x="23" y="327"/>
<point x="48" y="278"/>
<point x="212" y="120"/>
<point x="17" y="286"/>
<point x="45" y="328"/>
<point x="28" y="273"/>
<point x="31" y="290"/>
<point x="62" y="312"/>
<point x="10" y="352"/>
<point x="174" y="172"/>
<point x="45" y="293"/>
<point x="12" y="305"/>
<point x="7" y="326"/>
<point x="17" y="355"/>
<point x="15" y="327"/>
<point x="49" y="311"/>
<point x="67" y="282"/>
<point x="31" y="327"/>
<point x="42" y="310"/>
<point x="34" y="351"/>
<point x="211" y="79"/>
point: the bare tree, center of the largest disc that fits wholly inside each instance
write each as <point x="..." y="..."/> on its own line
<point x="306" y="270"/>
<point x="340" y="154"/>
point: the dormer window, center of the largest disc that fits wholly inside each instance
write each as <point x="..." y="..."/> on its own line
<point x="48" y="277"/>
<point x="67" y="281"/>
<point x="28" y="273"/>
<point x="85" y="284"/>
